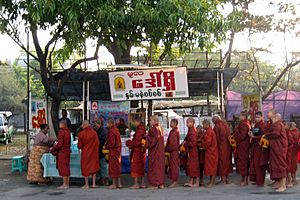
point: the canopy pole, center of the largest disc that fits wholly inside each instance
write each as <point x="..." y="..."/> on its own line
<point x="88" y="101"/>
<point x="150" y="110"/>
<point x="222" y="92"/>
<point x="218" y="90"/>
<point x="83" y="99"/>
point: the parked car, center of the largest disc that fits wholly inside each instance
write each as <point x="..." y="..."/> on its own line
<point x="6" y="131"/>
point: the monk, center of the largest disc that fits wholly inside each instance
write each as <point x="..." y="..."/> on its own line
<point x="113" y="144"/>
<point x="257" y="171"/>
<point x="211" y="153"/>
<point x="201" y="153"/>
<point x="242" y="138"/>
<point x="289" y="155"/>
<point x="278" y="151"/>
<point x="222" y="132"/>
<point x="137" y="154"/>
<point x="62" y="152"/>
<point x="156" y="154"/>
<point x="191" y="146"/>
<point x="294" y="158"/>
<point x="89" y="144"/>
<point x="172" y="147"/>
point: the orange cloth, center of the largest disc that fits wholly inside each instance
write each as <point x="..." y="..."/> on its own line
<point x="278" y="150"/>
<point x="62" y="151"/>
<point x="88" y="142"/>
<point x="172" y="147"/>
<point x="138" y="153"/>
<point x="190" y="143"/>
<point x="211" y="153"/>
<point x="222" y="132"/>
<point x="156" y="156"/>
<point x="113" y="144"/>
<point x="242" y="149"/>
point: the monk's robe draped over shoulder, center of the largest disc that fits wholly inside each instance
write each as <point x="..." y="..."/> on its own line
<point x="294" y="161"/>
<point x="138" y="153"/>
<point x="191" y="144"/>
<point x="156" y="156"/>
<point x="211" y="153"/>
<point x="88" y="142"/>
<point x="278" y="150"/>
<point x="173" y="148"/>
<point x="242" y="149"/>
<point x="222" y="132"/>
<point x="113" y="144"/>
<point x="62" y="151"/>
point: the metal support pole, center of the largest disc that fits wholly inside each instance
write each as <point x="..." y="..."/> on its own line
<point x="28" y="97"/>
<point x="83" y="99"/>
<point x="150" y="110"/>
<point x="222" y="92"/>
<point x="88" y="101"/>
<point x="218" y="90"/>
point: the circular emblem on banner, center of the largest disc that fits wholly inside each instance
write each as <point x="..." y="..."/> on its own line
<point x="119" y="84"/>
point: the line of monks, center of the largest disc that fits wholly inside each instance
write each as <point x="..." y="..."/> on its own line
<point x="270" y="146"/>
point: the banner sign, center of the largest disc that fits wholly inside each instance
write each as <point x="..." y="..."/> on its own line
<point x="251" y="104"/>
<point x="152" y="83"/>
<point x="102" y="110"/>
<point x="38" y="113"/>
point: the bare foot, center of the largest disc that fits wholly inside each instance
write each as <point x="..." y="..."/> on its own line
<point x="120" y="186"/>
<point x="134" y="187"/>
<point x="161" y="187"/>
<point x="228" y="182"/>
<point x="94" y="186"/>
<point x="195" y="185"/>
<point x="153" y="187"/>
<point x="222" y="182"/>
<point x="173" y="185"/>
<point x="276" y="185"/>
<point x="112" y="187"/>
<point x="295" y="182"/>
<point x="188" y="185"/>
<point x="143" y="186"/>
<point x="209" y="185"/>
<point x="63" y="187"/>
<point x="85" y="187"/>
<point x="290" y="185"/>
<point x="281" y="189"/>
<point x="201" y="183"/>
<point x="243" y="184"/>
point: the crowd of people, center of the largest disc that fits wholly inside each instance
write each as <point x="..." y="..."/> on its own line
<point x="207" y="150"/>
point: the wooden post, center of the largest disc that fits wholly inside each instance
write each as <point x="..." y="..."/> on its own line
<point x="208" y="105"/>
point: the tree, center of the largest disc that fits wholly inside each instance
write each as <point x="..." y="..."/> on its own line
<point x="12" y="92"/>
<point x="118" y="25"/>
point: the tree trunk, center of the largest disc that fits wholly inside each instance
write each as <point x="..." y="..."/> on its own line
<point x="229" y="51"/>
<point x="55" y="114"/>
<point x="121" y="55"/>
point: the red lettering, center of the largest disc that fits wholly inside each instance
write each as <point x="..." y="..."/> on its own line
<point x="169" y="81"/>
<point x="154" y="80"/>
<point x="137" y="83"/>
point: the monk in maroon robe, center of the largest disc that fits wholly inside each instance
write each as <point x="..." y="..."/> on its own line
<point x="278" y="152"/>
<point x="257" y="171"/>
<point x="88" y="142"/>
<point x="242" y="149"/>
<point x="113" y="144"/>
<point x="201" y="152"/>
<point x="172" y="147"/>
<point x="222" y="132"/>
<point x="211" y="152"/>
<point x="156" y="154"/>
<point x="62" y="151"/>
<point x="137" y="154"/>
<point x="289" y="155"/>
<point x="294" y="158"/>
<point x="191" y="145"/>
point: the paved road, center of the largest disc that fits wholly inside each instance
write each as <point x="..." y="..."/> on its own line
<point x="14" y="187"/>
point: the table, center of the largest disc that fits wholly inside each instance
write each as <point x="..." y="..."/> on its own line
<point x="49" y="163"/>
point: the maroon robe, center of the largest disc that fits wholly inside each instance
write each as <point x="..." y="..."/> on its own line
<point x="113" y="144"/>
<point x="190" y="143"/>
<point x="156" y="156"/>
<point x="294" y="160"/>
<point x="138" y="153"/>
<point x="242" y="149"/>
<point x="201" y="153"/>
<point x="278" y="150"/>
<point x="62" y="151"/>
<point x="257" y="171"/>
<point x="88" y="142"/>
<point x="222" y="132"/>
<point x="289" y="151"/>
<point x="211" y="153"/>
<point x="172" y="147"/>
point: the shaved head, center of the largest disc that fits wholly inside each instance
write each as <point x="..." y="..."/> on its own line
<point x="215" y="118"/>
<point x="85" y="123"/>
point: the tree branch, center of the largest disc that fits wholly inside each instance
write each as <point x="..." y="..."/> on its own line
<point x="31" y="67"/>
<point x="78" y="62"/>
<point x="55" y="37"/>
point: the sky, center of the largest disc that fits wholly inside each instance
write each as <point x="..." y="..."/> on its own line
<point x="274" y="41"/>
